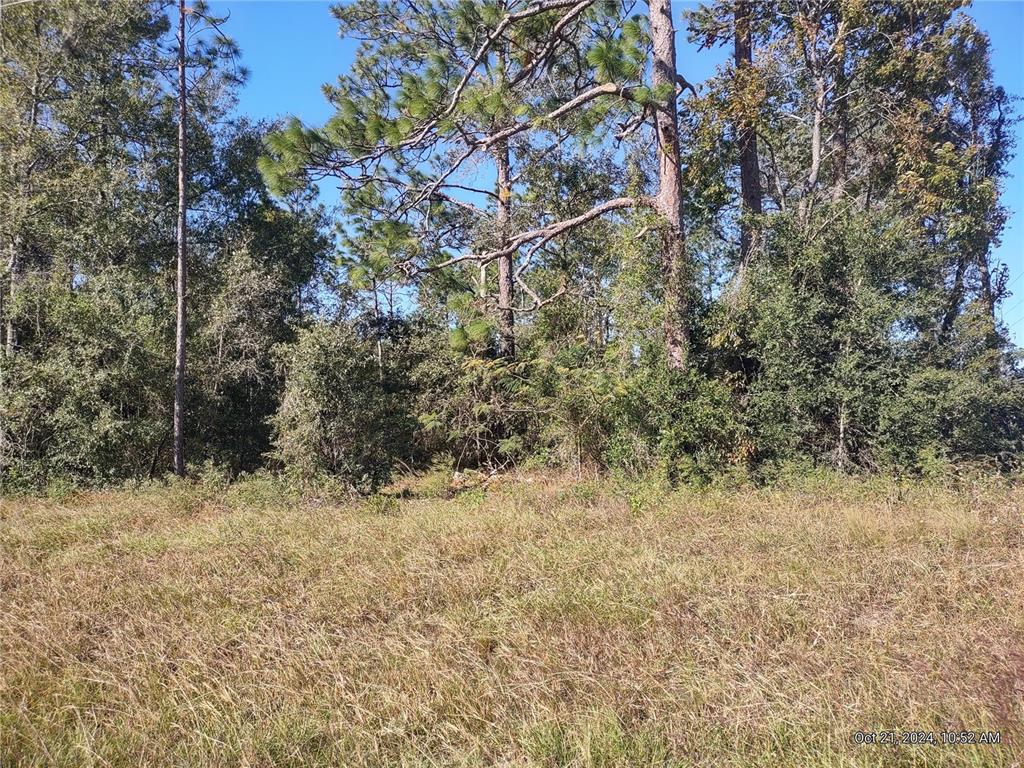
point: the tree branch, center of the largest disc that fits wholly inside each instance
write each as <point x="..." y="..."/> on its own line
<point x="543" y="234"/>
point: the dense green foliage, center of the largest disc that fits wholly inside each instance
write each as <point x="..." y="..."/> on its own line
<point x="87" y="140"/>
<point x="341" y="412"/>
<point x="848" y="319"/>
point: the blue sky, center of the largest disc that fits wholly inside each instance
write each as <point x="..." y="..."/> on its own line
<point x="292" y="48"/>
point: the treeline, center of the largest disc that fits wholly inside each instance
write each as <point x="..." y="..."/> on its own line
<point x="88" y="191"/>
<point x="551" y="248"/>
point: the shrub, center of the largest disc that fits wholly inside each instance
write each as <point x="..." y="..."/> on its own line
<point x="341" y="413"/>
<point x="476" y="409"/>
<point x="958" y="415"/>
<point x="85" y="400"/>
<point x="682" y="425"/>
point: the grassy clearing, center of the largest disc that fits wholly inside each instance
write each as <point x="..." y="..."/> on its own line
<point x="543" y="622"/>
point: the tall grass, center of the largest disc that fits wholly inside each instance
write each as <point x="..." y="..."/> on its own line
<point x="539" y="622"/>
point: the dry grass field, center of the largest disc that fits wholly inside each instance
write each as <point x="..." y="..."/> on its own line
<point x="538" y="622"/>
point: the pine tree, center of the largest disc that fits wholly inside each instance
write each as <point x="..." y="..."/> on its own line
<point x="206" y="58"/>
<point x="437" y="88"/>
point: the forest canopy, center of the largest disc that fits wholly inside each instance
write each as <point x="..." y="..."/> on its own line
<point x="551" y="248"/>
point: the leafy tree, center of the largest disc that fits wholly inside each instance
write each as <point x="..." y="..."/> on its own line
<point x="92" y="183"/>
<point x="73" y="95"/>
<point x="510" y="281"/>
<point x="880" y="208"/>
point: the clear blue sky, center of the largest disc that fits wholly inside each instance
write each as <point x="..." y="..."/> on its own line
<point x="292" y="48"/>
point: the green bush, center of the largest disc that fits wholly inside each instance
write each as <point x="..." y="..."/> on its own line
<point x="682" y="425"/>
<point x="476" y="409"/>
<point x="86" y="400"/>
<point x="341" y="412"/>
<point x="952" y="415"/>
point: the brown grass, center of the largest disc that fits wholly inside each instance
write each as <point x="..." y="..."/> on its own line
<point x="542" y="622"/>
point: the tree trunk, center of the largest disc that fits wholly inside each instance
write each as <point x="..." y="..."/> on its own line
<point x="810" y="53"/>
<point x="985" y="277"/>
<point x="14" y="263"/>
<point x="506" y="289"/>
<point x="806" y="201"/>
<point x="842" y="454"/>
<point x="13" y="273"/>
<point x="750" y="172"/>
<point x="669" y="201"/>
<point x="378" y="332"/>
<point x="956" y="296"/>
<point x="841" y="139"/>
<point x="179" y="336"/>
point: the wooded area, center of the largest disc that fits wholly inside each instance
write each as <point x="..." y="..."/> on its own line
<point x="551" y="249"/>
<point x="614" y="416"/>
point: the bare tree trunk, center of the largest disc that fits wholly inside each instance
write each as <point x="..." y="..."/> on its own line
<point x="841" y="140"/>
<point x="842" y="453"/>
<point x="506" y="290"/>
<point x="989" y="297"/>
<point x="981" y="248"/>
<point x="13" y="270"/>
<point x="14" y="263"/>
<point x="811" y="183"/>
<point x="750" y="172"/>
<point x="179" y="336"/>
<point x="808" y="44"/>
<point x="378" y="331"/>
<point x="986" y="285"/>
<point x="669" y="201"/>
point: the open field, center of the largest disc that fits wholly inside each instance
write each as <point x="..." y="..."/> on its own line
<point x="540" y="622"/>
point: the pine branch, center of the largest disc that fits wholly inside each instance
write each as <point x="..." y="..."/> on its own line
<point x="541" y="234"/>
